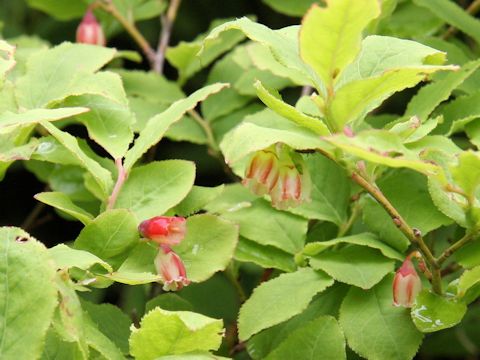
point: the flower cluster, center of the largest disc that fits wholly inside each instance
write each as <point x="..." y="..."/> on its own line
<point x="281" y="173"/>
<point x="89" y="31"/>
<point x="167" y="231"/>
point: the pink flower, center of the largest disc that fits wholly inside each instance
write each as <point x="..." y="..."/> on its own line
<point x="281" y="173"/>
<point x="164" y="230"/>
<point x="171" y="269"/>
<point x="406" y="284"/>
<point x="90" y="31"/>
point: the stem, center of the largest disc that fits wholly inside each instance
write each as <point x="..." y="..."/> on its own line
<point x="206" y="128"/>
<point x="472" y="9"/>
<point x="344" y="228"/>
<point x="167" y="25"/>
<point x="230" y="274"/>
<point x="449" y="251"/>
<point x="130" y="27"/>
<point x="32" y="217"/>
<point x="121" y="177"/>
<point x="414" y="235"/>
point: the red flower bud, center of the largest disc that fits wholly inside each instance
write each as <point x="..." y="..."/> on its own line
<point x="406" y="285"/>
<point x="171" y="269"/>
<point x="90" y="31"/>
<point x="164" y="230"/>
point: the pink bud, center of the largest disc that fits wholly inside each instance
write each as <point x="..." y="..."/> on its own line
<point x="171" y="269"/>
<point x="406" y="285"/>
<point x="164" y="230"/>
<point x="89" y="31"/>
<point x="262" y="172"/>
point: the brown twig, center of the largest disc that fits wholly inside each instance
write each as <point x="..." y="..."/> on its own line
<point x="472" y="9"/>
<point x="30" y="220"/>
<point x="455" y="246"/>
<point x="130" y="27"/>
<point x="167" y="25"/>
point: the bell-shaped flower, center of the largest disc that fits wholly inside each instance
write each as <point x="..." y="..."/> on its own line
<point x="406" y="284"/>
<point x="171" y="269"/>
<point x="89" y="31"/>
<point x="262" y="172"/>
<point x="164" y="230"/>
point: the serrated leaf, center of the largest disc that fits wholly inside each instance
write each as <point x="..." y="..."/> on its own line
<point x="99" y="342"/>
<point x="64" y="70"/>
<point x="468" y="283"/>
<point x="454" y="15"/>
<point x="66" y="257"/>
<point x="431" y="95"/>
<point x="467" y="173"/>
<point x="164" y="332"/>
<point x="387" y="332"/>
<point x="110" y="236"/>
<point x="296" y="8"/>
<point x="363" y="239"/>
<point x="264" y="255"/>
<point x="330" y="191"/>
<point x="446" y="202"/>
<point x="152" y="189"/>
<point x="28" y="297"/>
<point x="321" y="338"/>
<point x="330" y="37"/>
<point x="360" y="266"/>
<point x="159" y="124"/>
<point x="263" y="129"/>
<point x="432" y="312"/>
<point x="283" y="230"/>
<point x="101" y="175"/>
<point x="62" y="202"/>
<point x="8" y="120"/>
<point x="208" y="246"/>
<point x="274" y="102"/>
<point x="279" y="299"/>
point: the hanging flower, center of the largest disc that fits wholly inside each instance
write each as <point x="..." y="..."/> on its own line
<point x="171" y="269"/>
<point x="164" y="230"/>
<point x="89" y="30"/>
<point x="406" y="284"/>
<point x="281" y="173"/>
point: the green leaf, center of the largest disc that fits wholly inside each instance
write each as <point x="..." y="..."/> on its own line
<point x="62" y="11"/>
<point x="274" y="102"/>
<point x="65" y="70"/>
<point x="158" y="125"/>
<point x="454" y="15"/>
<point x="460" y="113"/>
<point x="10" y="120"/>
<point x="431" y="95"/>
<point x="111" y="321"/>
<point x="28" y="296"/>
<point x="297" y="8"/>
<point x="353" y="100"/>
<point x="432" y="312"/>
<point x="279" y="299"/>
<point x="374" y="328"/>
<point x="467" y="173"/>
<point x="164" y="332"/>
<point x="152" y="189"/>
<point x="101" y="175"/>
<point x="7" y="62"/>
<point x="57" y="349"/>
<point x="263" y="129"/>
<point x="330" y="37"/>
<point x="446" y="202"/>
<point x="184" y="56"/>
<point x="208" y="246"/>
<point x="197" y="199"/>
<point x="321" y="338"/>
<point x="110" y="236"/>
<point x="65" y="258"/>
<point x="99" y="342"/>
<point x="168" y="301"/>
<point x="132" y="278"/>
<point x="325" y="303"/>
<point x="109" y="123"/>
<point x="283" y="43"/>
<point x="187" y="129"/>
<point x="330" y="191"/>
<point x="377" y="145"/>
<point x="363" y="239"/>
<point x="356" y="265"/>
<point x="283" y="230"/>
<point x="468" y="283"/>
<point x="62" y="202"/>
<point x="263" y="255"/>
